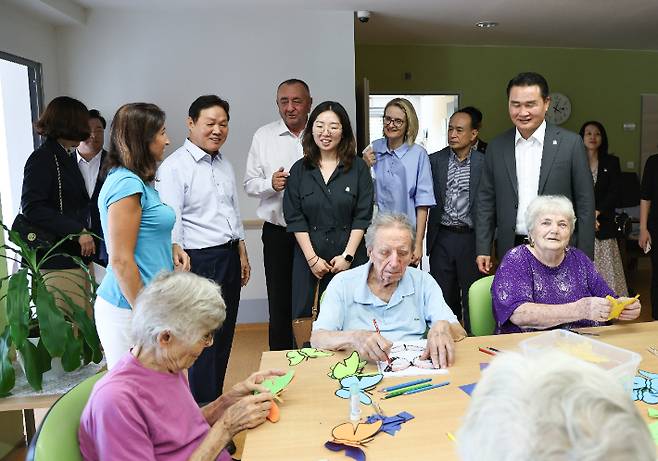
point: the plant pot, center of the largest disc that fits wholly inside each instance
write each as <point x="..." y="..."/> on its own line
<point x="56" y="370"/>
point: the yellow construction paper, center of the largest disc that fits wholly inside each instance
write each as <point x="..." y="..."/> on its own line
<point x="582" y="350"/>
<point x="618" y="306"/>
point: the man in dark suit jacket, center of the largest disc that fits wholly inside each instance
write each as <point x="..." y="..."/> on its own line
<point x="450" y="237"/>
<point x="529" y="160"/>
<point x="90" y="158"/>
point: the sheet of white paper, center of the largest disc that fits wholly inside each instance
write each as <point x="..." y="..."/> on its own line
<point x="408" y="352"/>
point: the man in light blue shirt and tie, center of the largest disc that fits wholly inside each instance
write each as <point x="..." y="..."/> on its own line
<point x="198" y="182"/>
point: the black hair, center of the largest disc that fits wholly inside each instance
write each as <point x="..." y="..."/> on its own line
<point x="529" y="79"/>
<point x="294" y="81"/>
<point x="94" y="113"/>
<point x="603" y="150"/>
<point x="475" y="114"/>
<point x="204" y="102"/>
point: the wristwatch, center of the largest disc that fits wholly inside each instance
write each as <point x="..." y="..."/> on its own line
<point x="349" y="258"/>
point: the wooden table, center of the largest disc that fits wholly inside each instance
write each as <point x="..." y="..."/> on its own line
<point x="310" y="409"/>
<point x="26" y="399"/>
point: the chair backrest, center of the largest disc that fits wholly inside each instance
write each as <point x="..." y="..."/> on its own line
<point x="479" y="307"/>
<point x="57" y="437"/>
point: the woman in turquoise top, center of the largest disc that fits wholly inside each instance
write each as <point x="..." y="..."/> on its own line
<point x="136" y="224"/>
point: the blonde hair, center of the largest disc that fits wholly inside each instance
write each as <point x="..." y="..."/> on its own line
<point x="412" y="119"/>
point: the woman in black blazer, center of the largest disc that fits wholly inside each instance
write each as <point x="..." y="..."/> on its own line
<point x="60" y="210"/>
<point x="606" y="173"/>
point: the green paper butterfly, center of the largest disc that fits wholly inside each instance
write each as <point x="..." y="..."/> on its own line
<point x="348" y="367"/>
<point x="277" y="384"/>
<point x="298" y="356"/>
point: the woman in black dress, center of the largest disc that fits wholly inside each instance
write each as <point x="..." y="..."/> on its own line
<point x="606" y="174"/>
<point x="328" y="204"/>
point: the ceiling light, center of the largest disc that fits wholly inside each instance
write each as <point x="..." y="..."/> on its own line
<point x="486" y="24"/>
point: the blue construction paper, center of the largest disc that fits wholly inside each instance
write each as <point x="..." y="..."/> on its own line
<point x="392" y="424"/>
<point x="468" y="388"/>
<point x="483" y="366"/>
<point x="645" y="387"/>
<point x="350" y="451"/>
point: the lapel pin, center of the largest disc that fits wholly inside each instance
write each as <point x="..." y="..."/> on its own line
<point x="555" y="142"/>
<point x="347" y="189"/>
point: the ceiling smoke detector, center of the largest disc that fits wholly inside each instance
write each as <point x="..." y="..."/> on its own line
<point x="486" y="24"/>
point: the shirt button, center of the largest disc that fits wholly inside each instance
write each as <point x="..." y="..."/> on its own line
<point x="315" y="228"/>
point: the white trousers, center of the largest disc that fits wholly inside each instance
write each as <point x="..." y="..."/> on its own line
<point x="113" y="327"/>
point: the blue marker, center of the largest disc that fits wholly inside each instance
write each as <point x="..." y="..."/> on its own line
<point x="445" y="383"/>
<point x="403" y="385"/>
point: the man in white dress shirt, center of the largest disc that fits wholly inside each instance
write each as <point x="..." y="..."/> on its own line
<point x="533" y="158"/>
<point x="90" y="156"/>
<point x="198" y="182"/>
<point x="274" y="148"/>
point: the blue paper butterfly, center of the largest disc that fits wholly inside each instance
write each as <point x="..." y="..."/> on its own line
<point x="645" y="387"/>
<point x="364" y="382"/>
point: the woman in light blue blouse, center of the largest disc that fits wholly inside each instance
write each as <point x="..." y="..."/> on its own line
<point x="403" y="177"/>
<point x="136" y="224"/>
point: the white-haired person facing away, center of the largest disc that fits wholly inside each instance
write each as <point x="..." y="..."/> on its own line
<point x="552" y="407"/>
<point x="142" y="409"/>
<point x="548" y="283"/>
<point x="403" y="300"/>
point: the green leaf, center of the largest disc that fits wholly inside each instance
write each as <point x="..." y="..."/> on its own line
<point x="87" y="330"/>
<point x="32" y="366"/>
<point x="86" y="353"/>
<point x="44" y="357"/>
<point x="52" y="325"/>
<point x="7" y="375"/>
<point x="72" y="353"/>
<point x="314" y="353"/>
<point x="18" y="306"/>
<point x="348" y="367"/>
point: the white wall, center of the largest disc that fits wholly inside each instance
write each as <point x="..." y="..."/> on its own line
<point x="172" y="57"/>
<point x="24" y="35"/>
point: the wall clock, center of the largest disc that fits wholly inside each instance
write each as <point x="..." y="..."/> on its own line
<point x="559" y="110"/>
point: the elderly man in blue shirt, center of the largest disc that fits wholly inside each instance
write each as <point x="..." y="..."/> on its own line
<point x="402" y="300"/>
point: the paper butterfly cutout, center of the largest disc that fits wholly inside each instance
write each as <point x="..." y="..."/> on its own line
<point x="645" y="387"/>
<point x="300" y="355"/>
<point x="276" y="386"/>
<point x="348" y="434"/>
<point x="348" y="367"/>
<point x="364" y="383"/>
<point x="618" y="306"/>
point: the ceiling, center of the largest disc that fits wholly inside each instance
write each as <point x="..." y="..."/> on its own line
<point x="612" y="24"/>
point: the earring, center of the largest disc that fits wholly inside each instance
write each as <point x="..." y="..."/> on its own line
<point x="531" y="242"/>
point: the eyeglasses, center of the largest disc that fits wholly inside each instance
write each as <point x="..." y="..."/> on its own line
<point x="397" y="122"/>
<point x="332" y="129"/>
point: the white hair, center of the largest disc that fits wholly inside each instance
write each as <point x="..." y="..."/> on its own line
<point x="386" y="220"/>
<point x="182" y="303"/>
<point x="549" y="408"/>
<point x="553" y="204"/>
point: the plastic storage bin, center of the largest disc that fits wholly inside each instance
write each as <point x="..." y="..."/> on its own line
<point x="621" y="363"/>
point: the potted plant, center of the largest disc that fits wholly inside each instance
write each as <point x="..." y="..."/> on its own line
<point x="63" y="329"/>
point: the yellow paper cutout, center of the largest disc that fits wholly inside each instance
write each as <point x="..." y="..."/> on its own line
<point x="618" y="306"/>
<point x="582" y="351"/>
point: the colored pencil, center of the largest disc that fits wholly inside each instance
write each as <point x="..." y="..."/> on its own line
<point x="403" y="385"/>
<point x="414" y="391"/>
<point x="374" y="322"/>
<point x="406" y="389"/>
<point x="493" y="349"/>
<point x="486" y="351"/>
<point x="451" y="437"/>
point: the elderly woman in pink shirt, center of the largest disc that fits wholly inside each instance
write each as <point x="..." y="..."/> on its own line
<point x="143" y="408"/>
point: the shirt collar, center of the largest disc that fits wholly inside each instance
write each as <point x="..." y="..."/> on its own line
<point x="453" y="155"/>
<point x="196" y="152"/>
<point x="538" y="135"/>
<point x="81" y="158"/>
<point x="363" y="295"/>
<point x="283" y="130"/>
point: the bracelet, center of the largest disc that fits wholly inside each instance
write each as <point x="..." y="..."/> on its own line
<point x="316" y="261"/>
<point x="309" y="259"/>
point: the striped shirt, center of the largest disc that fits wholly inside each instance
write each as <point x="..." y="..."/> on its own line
<point x="456" y="210"/>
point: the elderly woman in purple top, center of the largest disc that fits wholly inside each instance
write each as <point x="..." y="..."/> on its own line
<point x="403" y="176"/>
<point x="548" y="284"/>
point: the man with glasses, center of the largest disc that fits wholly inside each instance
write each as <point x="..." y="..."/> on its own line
<point x="90" y="156"/>
<point x="456" y="174"/>
<point x="274" y="149"/>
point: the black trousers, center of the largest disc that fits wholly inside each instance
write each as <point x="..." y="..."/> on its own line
<point x="223" y="266"/>
<point x="278" y="252"/>
<point x="654" y="279"/>
<point x="452" y="264"/>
